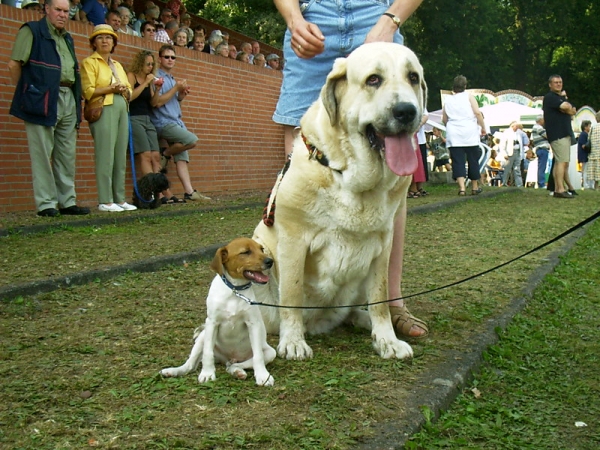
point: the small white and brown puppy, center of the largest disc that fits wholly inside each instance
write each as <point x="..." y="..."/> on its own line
<point x="234" y="332"/>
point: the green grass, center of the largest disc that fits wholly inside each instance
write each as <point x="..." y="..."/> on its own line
<point x="543" y="376"/>
<point x="79" y="366"/>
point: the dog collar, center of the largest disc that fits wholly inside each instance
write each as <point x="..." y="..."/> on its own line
<point x="315" y="153"/>
<point x="235" y="289"/>
<point x="232" y="286"/>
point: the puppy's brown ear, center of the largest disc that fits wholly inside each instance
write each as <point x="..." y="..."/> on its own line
<point x="328" y="91"/>
<point x="220" y="257"/>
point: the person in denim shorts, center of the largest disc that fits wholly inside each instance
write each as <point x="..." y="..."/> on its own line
<point x="318" y="32"/>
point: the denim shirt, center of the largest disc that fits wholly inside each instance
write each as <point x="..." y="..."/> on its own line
<point x="170" y="112"/>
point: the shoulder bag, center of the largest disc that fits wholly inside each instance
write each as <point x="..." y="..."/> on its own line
<point x="93" y="109"/>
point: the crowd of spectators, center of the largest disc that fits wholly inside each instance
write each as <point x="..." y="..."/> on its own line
<point x="171" y="25"/>
<point x="147" y="96"/>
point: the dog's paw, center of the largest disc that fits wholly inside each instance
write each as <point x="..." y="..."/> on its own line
<point x="236" y="372"/>
<point x="172" y="372"/>
<point x="206" y="376"/>
<point x="392" y="348"/>
<point x="264" y="378"/>
<point x="294" y="349"/>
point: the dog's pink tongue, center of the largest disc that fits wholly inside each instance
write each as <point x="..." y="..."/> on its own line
<point x="257" y="277"/>
<point x="400" y="154"/>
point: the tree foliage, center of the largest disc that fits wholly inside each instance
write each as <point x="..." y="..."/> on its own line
<point x="496" y="44"/>
<point x="258" y="19"/>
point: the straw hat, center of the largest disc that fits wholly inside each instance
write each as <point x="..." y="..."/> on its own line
<point x="103" y="29"/>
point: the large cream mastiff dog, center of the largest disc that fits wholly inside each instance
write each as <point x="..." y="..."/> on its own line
<point x="335" y="206"/>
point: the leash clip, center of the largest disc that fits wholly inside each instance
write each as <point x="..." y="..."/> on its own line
<point x="242" y="296"/>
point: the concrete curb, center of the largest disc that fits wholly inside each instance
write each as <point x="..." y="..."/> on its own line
<point x="155" y="263"/>
<point x="78" y="278"/>
<point x="86" y="221"/>
<point x="438" y="387"/>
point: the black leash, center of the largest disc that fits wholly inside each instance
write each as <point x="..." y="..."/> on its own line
<point x="464" y="280"/>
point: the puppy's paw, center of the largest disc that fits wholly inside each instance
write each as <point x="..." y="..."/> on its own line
<point x="294" y="349"/>
<point x="392" y="348"/>
<point x="264" y="378"/>
<point x="173" y="372"/>
<point x="206" y="376"/>
<point x="236" y="371"/>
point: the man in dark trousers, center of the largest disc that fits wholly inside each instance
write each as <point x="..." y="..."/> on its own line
<point x="557" y="117"/>
<point x="44" y="68"/>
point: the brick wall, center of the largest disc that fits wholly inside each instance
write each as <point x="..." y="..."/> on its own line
<point x="229" y="108"/>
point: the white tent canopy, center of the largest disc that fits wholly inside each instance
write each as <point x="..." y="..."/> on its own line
<point x="502" y="114"/>
<point x="498" y="115"/>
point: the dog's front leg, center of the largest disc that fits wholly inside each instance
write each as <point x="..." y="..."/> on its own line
<point x="208" y="354"/>
<point x="191" y="363"/>
<point x="258" y="339"/>
<point x="385" y="342"/>
<point x="292" y="257"/>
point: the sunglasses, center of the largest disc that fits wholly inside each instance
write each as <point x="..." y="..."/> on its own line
<point x="173" y="57"/>
<point x="150" y="30"/>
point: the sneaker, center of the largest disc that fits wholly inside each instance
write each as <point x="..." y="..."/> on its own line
<point x="74" y="211"/>
<point x="127" y="207"/>
<point x="195" y="196"/>
<point x="113" y="207"/>
<point x="573" y="192"/>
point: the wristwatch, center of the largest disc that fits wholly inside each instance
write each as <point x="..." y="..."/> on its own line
<point x="394" y="18"/>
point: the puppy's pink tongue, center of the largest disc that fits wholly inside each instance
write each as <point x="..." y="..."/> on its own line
<point x="400" y="154"/>
<point x="257" y="277"/>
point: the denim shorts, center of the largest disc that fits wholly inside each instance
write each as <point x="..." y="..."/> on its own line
<point x="345" y="25"/>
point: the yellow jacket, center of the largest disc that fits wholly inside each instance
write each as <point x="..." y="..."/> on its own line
<point x="95" y="72"/>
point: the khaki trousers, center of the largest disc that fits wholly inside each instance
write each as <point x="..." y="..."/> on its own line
<point x="52" y="152"/>
<point x="111" y="136"/>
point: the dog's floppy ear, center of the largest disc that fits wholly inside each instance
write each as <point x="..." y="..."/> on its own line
<point x="220" y="257"/>
<point x="424" y="92"/>
<point x="328" y="91"/>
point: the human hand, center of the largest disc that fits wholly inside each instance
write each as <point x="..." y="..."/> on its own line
<point x="115" y="88"/>
<point x="383" y="31"/>
<point x="307" y="40"/>
<point x="181" y="85"/>
<point x="158" y="82"/>
<point x="149" y="78"/>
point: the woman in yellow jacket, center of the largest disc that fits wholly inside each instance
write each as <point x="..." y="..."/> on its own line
<point x="101" y="75"/>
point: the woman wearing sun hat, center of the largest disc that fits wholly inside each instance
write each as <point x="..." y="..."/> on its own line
<point x="102" y="75"/>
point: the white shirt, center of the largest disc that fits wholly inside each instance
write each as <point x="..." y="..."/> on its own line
<point x="462" y="129"/>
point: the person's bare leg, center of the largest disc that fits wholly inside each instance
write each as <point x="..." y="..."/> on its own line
<point x="289" y="133"/>
<point x="184" y="176"/>
<point x="145" y="163"/>
<point x="177" y="147"/>
<point x="397" y="307"/>
<point x="567" y="178"/>
<point x="461" y="183"/>
<point x="155" y="162"/>
<point x="559" y="177"/>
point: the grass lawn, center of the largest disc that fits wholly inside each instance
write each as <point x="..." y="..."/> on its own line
<point x="79" y="366"/>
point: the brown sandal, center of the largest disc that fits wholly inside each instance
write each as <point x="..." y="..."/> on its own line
<point x="403" y="321"/>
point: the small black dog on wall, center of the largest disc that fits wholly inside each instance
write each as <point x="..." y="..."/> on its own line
<point x="149" y="187"/>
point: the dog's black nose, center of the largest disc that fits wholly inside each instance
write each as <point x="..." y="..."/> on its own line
<point x="404" y="112"/>
<point x="268" y="262"/>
